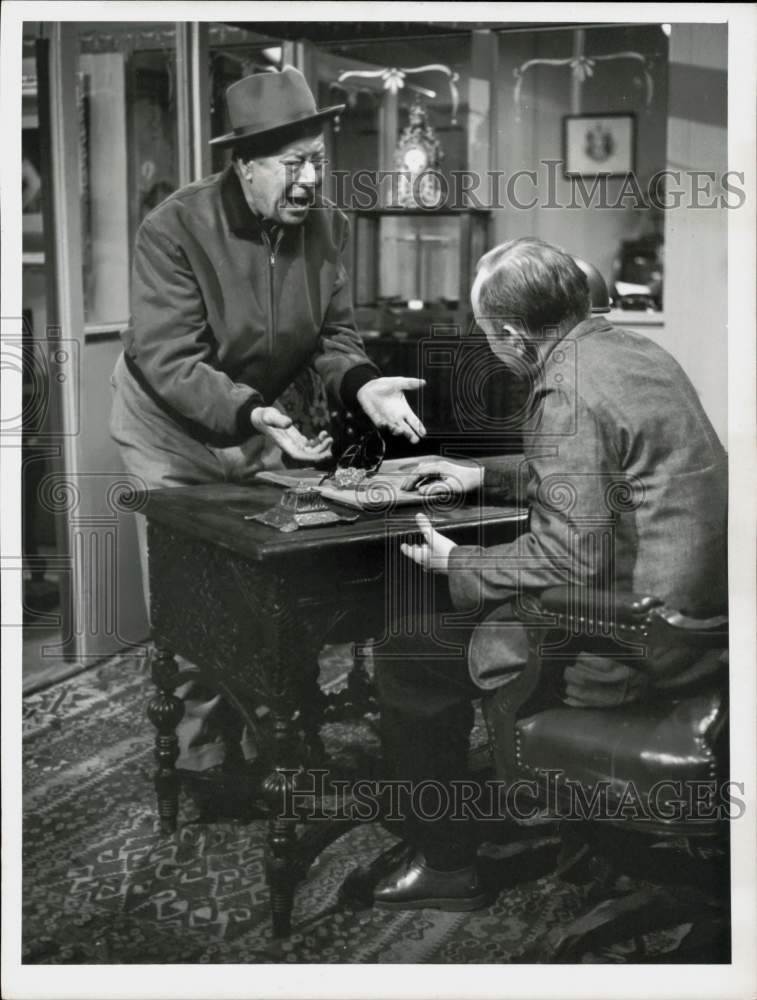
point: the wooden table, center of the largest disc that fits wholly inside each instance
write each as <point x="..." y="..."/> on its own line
<point x="251" y="607"/>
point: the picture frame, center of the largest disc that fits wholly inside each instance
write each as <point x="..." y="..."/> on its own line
<point x="599" y="145"/>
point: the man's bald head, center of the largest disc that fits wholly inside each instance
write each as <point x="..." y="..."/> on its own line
<point x="530" y="286"/>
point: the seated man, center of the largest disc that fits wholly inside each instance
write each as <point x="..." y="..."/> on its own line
<point x="626" y="482"/>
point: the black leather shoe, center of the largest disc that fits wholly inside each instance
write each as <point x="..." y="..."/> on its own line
<point x="416" y="887"/>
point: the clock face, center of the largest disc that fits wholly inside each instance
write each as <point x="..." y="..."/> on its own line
<point x="415" y="159"/>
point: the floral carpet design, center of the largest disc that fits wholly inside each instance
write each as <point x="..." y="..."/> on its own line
<point x="102" y="886"/>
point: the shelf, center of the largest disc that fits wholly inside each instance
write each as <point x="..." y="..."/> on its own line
<point x="629" y="317"/>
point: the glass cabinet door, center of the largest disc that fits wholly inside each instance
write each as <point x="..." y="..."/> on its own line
<point x="128" y="134"/>
<point x="416" y="259"/>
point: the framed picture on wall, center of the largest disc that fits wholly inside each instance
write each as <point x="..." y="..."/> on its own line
<point x="599" y="145"/>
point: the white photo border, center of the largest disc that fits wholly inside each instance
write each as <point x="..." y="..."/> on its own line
<point x="738" y="980"/>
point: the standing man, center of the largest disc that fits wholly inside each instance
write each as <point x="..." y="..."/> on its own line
<point x="238" y="286"/>
<point x="616" y="445"/>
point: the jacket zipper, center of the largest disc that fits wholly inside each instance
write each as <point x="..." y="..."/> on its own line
<point x="272" y="251"/>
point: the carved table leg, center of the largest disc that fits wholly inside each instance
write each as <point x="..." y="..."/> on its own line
<point x="165" y="712"/>
<point x="284" y="678"/>
<point x="281" y="868"/>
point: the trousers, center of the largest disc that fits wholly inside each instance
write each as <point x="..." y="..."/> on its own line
<point x="426" y="696"/>
<point x="161" y="454"/>
<point x="426" y="685"/>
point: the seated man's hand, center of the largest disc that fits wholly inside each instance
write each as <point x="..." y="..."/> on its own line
<point x="280" y="429"/>
<point x="456" y="477"/>
<point x="383" y="400"/>
<point x="434" y="553"/>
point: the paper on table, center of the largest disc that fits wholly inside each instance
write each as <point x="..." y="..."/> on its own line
<point x="379" y="492"/>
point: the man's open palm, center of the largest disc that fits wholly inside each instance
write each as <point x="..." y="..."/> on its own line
<point x="383" y="400"/>
<point x="280" y="429"/>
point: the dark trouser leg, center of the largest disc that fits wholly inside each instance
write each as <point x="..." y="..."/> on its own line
<point x="425" y="695"/>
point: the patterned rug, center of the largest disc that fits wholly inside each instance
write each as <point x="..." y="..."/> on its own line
<point x="101" y="885"/>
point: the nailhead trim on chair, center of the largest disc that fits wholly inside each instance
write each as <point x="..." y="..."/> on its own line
<point x="704" y="746"/>
<point x="700" y="741"/>
<point x="573" y="621"/>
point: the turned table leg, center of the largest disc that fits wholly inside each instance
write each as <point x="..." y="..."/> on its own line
<point x="282" y="676"/>
<point x="165" y="712"/>
<point x="281" y="867"/>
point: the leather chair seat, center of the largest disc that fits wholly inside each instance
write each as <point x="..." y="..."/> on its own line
<point x="645" y="743"/>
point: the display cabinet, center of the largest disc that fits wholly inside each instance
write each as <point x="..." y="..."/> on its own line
<point x="416" y="260"/>
<point x="412" y="271"/>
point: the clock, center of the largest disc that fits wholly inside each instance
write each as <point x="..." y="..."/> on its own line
<point x="416" y="159"/>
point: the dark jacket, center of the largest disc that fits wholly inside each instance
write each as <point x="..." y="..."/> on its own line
<point x="626" y="482"/>
<point x="226" y="312"/>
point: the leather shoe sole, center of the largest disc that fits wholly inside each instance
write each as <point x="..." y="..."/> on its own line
<point x="448" y="905"/>
<point x="416" y="886"/>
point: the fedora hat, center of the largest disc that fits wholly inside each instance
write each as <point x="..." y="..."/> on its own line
<point x="266" y="102"/>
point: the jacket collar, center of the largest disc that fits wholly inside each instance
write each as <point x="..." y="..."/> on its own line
<point x="587" y="327"/>
<point x="242" y="220"/>
<point x="595" y="324"/>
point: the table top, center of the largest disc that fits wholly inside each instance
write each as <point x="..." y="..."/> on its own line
<point x="215" y="513"/>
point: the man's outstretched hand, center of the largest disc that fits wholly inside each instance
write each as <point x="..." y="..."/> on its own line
<point x="453" y="477"/>
<point x="434" y="553"/>
<point x="383" y="400"/>
<point x="280" y="429"/>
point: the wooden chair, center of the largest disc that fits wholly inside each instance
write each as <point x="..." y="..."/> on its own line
<point x="664" y="759"/>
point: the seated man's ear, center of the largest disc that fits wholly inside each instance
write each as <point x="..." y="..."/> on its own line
<point x="507" y="340"/>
